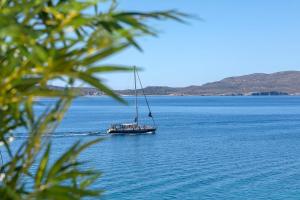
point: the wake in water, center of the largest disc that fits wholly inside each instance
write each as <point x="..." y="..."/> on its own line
<point x="65" y="134"/>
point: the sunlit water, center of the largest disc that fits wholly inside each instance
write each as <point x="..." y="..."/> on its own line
<point x="205" y="147"/>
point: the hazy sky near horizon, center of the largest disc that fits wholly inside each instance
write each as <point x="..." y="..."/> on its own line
<point x="235" y="38"/>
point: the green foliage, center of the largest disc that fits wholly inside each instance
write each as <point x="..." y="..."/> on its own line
<point x="47" y="40"/>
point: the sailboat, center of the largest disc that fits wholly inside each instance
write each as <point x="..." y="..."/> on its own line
<point x="134" y="127"/>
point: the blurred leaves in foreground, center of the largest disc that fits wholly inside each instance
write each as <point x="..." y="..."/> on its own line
<point x="42" y="41"/>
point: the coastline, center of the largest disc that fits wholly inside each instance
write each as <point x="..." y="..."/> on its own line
<point x="195" y="95"/>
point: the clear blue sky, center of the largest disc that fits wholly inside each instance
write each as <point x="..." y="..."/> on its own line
<point x="237" y="37"/>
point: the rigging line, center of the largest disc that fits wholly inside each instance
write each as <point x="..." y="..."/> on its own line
<point x="150" y="113"/>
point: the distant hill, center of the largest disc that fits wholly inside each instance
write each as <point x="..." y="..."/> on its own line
<point x="280" y="83"/>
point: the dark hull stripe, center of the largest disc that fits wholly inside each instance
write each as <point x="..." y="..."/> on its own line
<point x="131" y="131"/>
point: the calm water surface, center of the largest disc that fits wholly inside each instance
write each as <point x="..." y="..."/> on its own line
<point x="205" y="147"/>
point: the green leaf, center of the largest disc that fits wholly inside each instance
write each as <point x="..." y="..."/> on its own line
<point x="42" y="167"/>
<point x="93" y="81"/>
<point x="29" y="111"/>
<point x="9" y="193"/>
<point x="108" y="68"/>
<point x="103" y="54"/>
<point x="47" y="92"/>
<point x="68" y="156"/>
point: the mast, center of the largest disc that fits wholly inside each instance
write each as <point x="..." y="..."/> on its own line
<point x="136" y="106"/>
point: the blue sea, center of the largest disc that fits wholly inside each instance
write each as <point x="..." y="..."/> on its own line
<point x="205" y="147"/>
